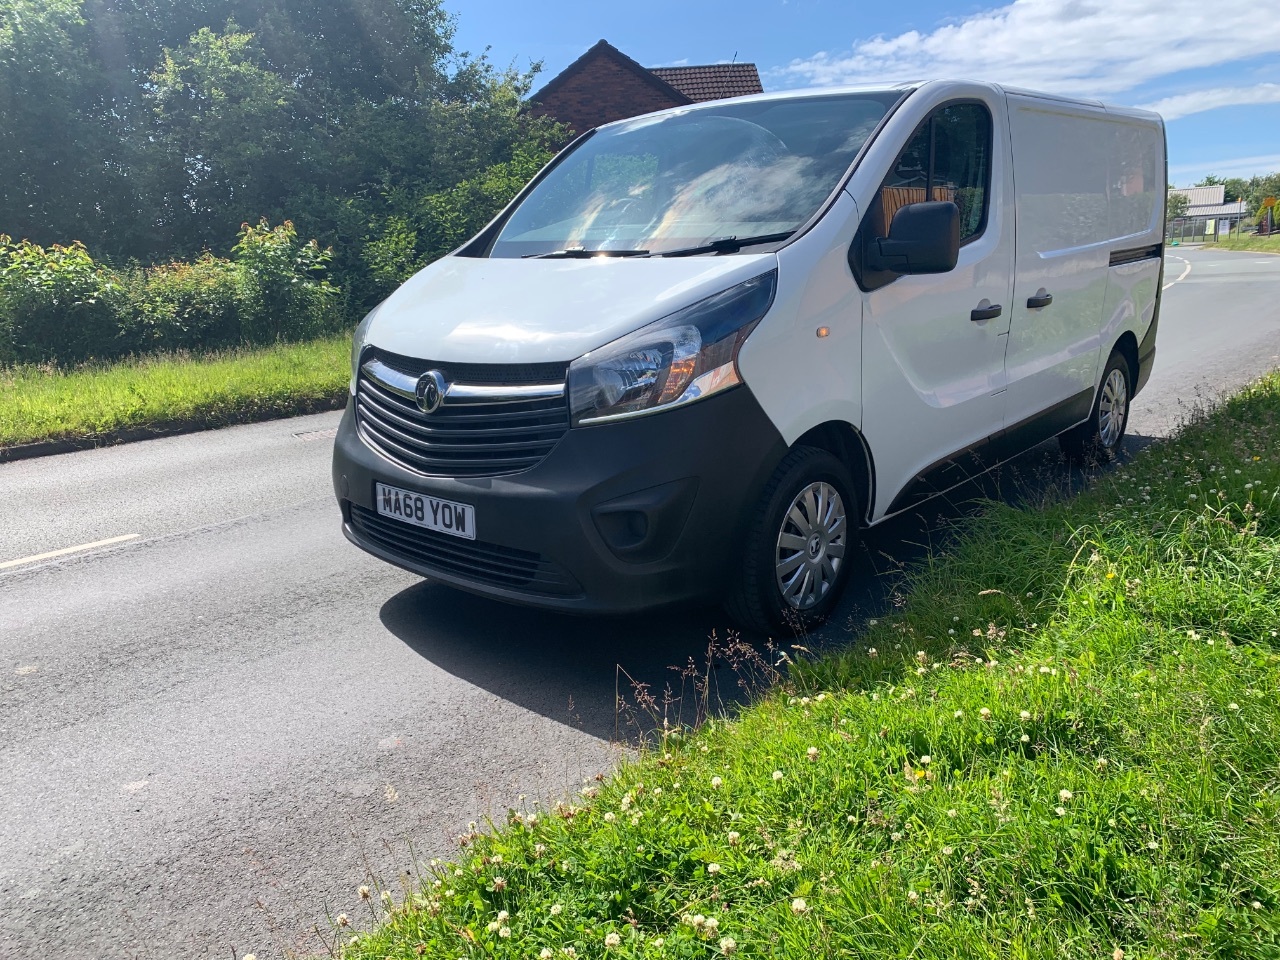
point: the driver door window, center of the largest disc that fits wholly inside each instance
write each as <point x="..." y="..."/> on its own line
<point x="947" y="158"/>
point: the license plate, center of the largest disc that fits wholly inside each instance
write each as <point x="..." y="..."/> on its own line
<point x="444" y="516"/>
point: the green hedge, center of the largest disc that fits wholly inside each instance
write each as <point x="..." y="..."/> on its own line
<point x="58" y="305"/>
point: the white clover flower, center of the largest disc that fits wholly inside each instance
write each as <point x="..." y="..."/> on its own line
<point x="503" y="915"/>
<point x="952" y="813"/>
<point x="557" y="909"/>
<point x="364" y="892"/>
<point x="959" y="714"/>
<point x="492" y="926"/>
<point x="499" y="883"/>
<point x="947" y="851"/>
<point x="798" y="906"/>
<point x="1257" y="905"/>
<point x="569" y="952"/>
<point x="1233" y="706"/>
<point x="657" y="942"/>
<point x="912" y="896"/>
<point x="984" y="713"/>
<point x="612" y="940"/>
<point x="713" y="868"/>
<point x="1060" y="811"/>
<point x="1152" y="845"/>
<point x="711" y="926"/>
<point x="504" y="932"/>
<point x="777" y="774"/>
<point x="1064" y="795"/>
<point x="716" y="783"/>
<point x="734" y="838"/>
<point x="1024" y="739"/>
<point x="926" y="760"/>
<point x="545" y="954"/>
<point x="1025" y="715"/>
<point x="895" y="837"/>
<point x="728" y="946"/>
<point x="342" y="920"/>
<point x="610" y="817"/>
<point x="250" y="956"/>
<point x="812" y="754"/>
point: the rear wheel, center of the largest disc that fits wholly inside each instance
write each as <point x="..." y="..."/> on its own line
<point x="796" y="562"/>
<point x="1098" y="439"/>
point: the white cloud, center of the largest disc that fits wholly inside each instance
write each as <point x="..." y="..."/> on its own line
<point x="1081" y="47"/>
<point x="1185" y="104"/>
<point x="1233" y="167"/>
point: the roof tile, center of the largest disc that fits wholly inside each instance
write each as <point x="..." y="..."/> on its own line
<point x="712" y="81"/>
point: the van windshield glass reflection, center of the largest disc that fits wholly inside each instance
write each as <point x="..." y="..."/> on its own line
<point x="681" y="180"/>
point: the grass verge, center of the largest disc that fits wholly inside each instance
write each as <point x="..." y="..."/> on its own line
<point x="172" y="392"/>
<point x="1269" y="244"/>
<point x="1065" y="743"/>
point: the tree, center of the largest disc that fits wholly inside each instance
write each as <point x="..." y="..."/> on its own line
<point x="225" y="150"/>
<point x="1175" y="206"/>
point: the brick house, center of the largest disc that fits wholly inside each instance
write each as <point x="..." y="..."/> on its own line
<point x="604" y="85"/>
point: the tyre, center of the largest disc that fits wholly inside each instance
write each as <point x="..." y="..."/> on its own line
<point x="1098" y="439"/>
<point x="799" y="544"/>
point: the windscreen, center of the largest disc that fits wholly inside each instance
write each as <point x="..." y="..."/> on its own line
<point x="674" y="181"/>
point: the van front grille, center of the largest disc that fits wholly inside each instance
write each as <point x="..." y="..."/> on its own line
<point x="493" y="419"/>
<point x="485" y="563"/>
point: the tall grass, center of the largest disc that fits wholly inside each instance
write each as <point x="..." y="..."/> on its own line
<point x="1066" y="743"/>
<point x="175" y="390"/>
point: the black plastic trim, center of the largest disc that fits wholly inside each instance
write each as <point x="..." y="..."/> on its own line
<point x="636" y="513"/>
<point x="976" y="459"/>
<point x="1134" y="254"/>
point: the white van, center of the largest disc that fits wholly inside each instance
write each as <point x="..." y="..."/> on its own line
<point x="705" y="346"/>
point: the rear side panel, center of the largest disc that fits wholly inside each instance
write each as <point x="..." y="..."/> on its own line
<point x="1089" y="209"/>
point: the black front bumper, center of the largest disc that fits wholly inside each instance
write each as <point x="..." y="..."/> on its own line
<point x="619" y="517"/>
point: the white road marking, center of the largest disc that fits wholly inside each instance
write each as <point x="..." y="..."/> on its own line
<point x="65" y="550"/>
<point x="1181" y="278"/>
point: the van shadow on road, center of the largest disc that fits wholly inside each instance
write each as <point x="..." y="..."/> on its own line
<point x="572" y="669"/>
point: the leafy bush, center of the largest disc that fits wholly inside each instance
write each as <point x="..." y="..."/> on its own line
<point x="56" y="303"/>
<point x="184" y="306"/>
<point x="285" y="295"/>
<point x="440" y="222"/>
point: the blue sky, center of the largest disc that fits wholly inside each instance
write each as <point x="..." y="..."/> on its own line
<point x="1212" y="68"/>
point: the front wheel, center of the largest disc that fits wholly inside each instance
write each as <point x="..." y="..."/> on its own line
<point x="1098" y="439"/>
<point x="796" y="562"/>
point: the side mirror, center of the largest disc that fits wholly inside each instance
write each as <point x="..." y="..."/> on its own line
<point x="923" y="238"/>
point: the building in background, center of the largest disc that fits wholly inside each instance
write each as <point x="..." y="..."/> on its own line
<point x="604" y="85"/>
<point x="1209" y="212"/>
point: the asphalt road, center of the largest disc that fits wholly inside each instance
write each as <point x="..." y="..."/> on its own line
<point x="213" y="732"/>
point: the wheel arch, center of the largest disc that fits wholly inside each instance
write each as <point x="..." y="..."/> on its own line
<point x="844" y="442"/>
<point x="1127" y="347"/>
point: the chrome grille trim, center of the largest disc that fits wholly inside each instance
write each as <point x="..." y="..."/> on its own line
<point x="484" y="428"/>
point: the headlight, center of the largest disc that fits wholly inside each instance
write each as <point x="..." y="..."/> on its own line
<point x="358" y="341"/>
<point x="681" y="358"/>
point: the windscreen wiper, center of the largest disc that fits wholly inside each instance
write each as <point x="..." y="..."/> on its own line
<point x="578" y="253"/>
<point x="726" y="245"/>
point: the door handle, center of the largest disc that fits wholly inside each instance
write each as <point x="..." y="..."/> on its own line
<point x="1042" y="299"/>
<point x="985" y="313"/>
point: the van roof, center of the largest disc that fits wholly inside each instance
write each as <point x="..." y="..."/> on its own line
<point x="905" y="87"/>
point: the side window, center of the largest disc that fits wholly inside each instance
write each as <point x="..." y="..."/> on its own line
<point x="947" y="158"/>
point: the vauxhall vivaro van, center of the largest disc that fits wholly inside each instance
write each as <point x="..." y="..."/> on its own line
<point x="703" y="347"/>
